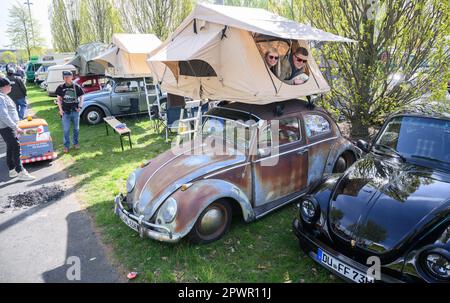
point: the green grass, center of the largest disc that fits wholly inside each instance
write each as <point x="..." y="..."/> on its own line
<point x="262" y="251"/>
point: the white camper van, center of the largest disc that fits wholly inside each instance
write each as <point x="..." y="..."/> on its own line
<point x="55" y="78"/>
<point x="49" y="60"/>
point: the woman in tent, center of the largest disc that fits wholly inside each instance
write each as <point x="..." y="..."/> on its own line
<point x="272" y="60"/>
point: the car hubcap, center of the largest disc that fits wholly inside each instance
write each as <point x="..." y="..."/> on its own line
<point x="212" y="221"/>
<point x="93" y="117"/>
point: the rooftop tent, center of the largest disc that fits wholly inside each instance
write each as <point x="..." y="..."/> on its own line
<point x="84" y="56"/>
<point x="216" y="54"/>
<point x="127" y="55"/>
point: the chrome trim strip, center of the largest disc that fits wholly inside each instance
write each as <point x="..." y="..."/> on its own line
<point x="297" y="149"/>
<point x="227" y="169"/>
<point x="163" y="165"/>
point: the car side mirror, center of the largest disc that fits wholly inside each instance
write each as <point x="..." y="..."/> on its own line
<point x="264" y="152"/>
<point x="363" y="145"/>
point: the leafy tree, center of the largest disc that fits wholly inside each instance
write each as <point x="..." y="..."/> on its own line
<point x="401" y="54"/>
<point x="101" y="20"/>
<point x="19" y="29"/>
<point x="8" y="57"/>
<point x="75" y="22"/>
<point x="148" y="16"/>
<point x="66" y="24"/>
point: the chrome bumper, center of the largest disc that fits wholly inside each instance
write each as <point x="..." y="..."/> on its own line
<point x="145" y="229"/>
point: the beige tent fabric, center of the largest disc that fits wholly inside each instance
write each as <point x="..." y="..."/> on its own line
<point x="127" y="57"/>
<point x="241" y="71"/>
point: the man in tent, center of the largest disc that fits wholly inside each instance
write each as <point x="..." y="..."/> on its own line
<point x="293" y="67"/>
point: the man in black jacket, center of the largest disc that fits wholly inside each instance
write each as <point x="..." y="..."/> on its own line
<point x="18" y="92"/>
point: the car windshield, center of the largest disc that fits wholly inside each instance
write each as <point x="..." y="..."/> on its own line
<point x="235" y="134"/>
<point x="417" y="139"/>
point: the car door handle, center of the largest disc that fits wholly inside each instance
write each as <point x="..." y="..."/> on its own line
<point x="302" y="151"/>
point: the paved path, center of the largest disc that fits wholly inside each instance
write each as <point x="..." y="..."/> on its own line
<point x="36" y="243"/>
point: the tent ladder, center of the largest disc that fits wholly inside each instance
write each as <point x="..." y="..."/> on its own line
<point x="190" y="120"/>
<point x="153" y="106"/>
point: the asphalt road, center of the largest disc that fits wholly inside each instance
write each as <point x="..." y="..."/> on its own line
<point x="45" y="242"/>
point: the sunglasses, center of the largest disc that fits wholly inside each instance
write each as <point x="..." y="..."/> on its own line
<point x="273" y="57"/>
<point x="299" y="59"/>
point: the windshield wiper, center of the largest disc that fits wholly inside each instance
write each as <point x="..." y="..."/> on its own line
<point x="429" y="159"/>
<point x="392" y="150"/>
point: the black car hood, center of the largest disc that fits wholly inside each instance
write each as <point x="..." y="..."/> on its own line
<point x="378" y="202"/>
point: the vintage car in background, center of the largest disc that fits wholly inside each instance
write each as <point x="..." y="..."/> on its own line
<point x="392" y="205"/>
<point x="91" y="83"/>
<point x="119" y="97"/>
<point x="193" y="192"/>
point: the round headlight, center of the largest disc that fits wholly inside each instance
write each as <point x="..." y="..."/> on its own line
<point x="308" y="210"/>
<point x="438" y="265"/>
<point x="169" y="210"/>
<point x="131" y="182"/>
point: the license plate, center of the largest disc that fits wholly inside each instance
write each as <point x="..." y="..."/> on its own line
<point x="132" y="224"/>
<point x="342" y="268"/>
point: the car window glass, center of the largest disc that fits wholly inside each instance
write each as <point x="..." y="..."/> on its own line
<point x="87" y="83"/>
<point x="150" y="87"/>
<point x="264" y="137"/>
<point x="289" y="130"/>
<point x="417" y="136"/>
<point x="316" y="125"/>
<point x="127" y="87"/>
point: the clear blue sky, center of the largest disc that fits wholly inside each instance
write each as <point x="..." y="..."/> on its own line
<point x="39" y="10"/>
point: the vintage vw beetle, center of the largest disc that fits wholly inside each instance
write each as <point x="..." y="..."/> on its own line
<point x="391" y="207"/>
<point x="194" y="192"/>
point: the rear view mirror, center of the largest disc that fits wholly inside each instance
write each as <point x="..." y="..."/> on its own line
<point x="363" y="145"/>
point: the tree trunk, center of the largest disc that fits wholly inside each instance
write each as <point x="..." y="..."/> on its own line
<point x="359" y="129"/>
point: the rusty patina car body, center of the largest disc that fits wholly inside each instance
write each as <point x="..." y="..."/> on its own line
<point x="194" y="192"/>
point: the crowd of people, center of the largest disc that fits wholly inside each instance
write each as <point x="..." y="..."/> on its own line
<point x="12" y="86"/>
<point x="291" y="68"/>
<point x="13" y="106"/>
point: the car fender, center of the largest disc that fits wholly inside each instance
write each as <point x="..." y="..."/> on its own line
<point x="338" y="148"/>
<point x="193" y="201"/>
<point x="93" y="103"/>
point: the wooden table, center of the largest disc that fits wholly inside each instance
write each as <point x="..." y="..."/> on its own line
<point x="113" y="122"/>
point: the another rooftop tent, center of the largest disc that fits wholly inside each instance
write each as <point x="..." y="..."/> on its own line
<point x="84" y="56"/>
<point x="126" y="57"/>
<point x="216" y="54"/>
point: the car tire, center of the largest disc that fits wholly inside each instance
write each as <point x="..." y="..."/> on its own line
<point x="343" y="162"/>
<point x="205" y="230"/>
<point x="93" y="115"/>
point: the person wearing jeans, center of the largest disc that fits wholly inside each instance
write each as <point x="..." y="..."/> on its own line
<point x="69" y="118"/>
<point x="70" y="102"/>
<point x="9" y="131"/>
<point x="18" y="92"/>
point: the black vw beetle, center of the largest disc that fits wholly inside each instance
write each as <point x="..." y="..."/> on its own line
<point x="387" y="218"/>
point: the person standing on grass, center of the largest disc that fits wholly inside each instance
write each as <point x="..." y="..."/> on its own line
<point x="70" y="102"/>
<point x="18" y="92"/>
<point x="9" y="131"/>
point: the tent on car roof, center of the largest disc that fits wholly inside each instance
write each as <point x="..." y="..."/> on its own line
<point x="126" y="57"/>
<point x="83" y="59"/>
<point x="216" y="53"/>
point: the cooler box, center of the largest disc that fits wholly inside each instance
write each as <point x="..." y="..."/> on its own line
<point x="35" y="143"/>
